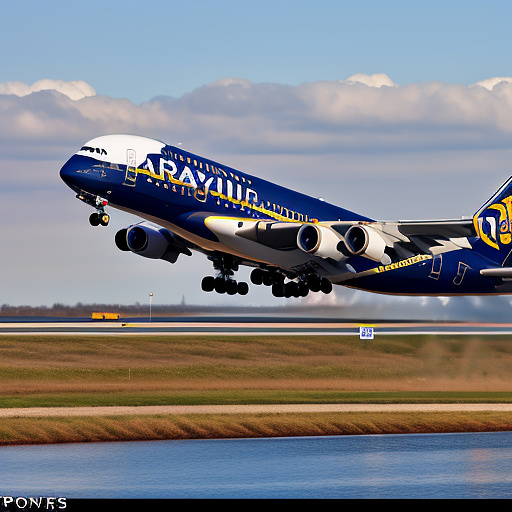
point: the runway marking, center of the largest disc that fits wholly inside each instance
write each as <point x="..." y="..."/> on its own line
<point x="253" y="333"/>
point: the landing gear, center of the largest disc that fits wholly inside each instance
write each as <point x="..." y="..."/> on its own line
<point x="297" y="286"/>
<point x="318" y="284"/>
<point x="225" y="265"/>
<point x="223" y="285"/>
<point x="208" y="284"/>
<point x="99" y="216"/>
<point x="283" y="283"/>
<point x="242" y="288"/>
<point x="266" y="277"/>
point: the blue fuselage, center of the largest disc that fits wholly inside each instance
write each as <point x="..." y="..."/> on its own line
<point x="179" y="189"/>
<point x="180" y="193"/>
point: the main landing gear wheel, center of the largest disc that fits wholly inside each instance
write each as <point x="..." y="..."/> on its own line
<point x="243" y="288"/>
<point x="225" y="265"/>
<point x="290" y="289"/>
<point x="208" y="284"/>
<point x="266" y="277"/>
<point x="297" y="286"/>
<point x="221" y="285"/>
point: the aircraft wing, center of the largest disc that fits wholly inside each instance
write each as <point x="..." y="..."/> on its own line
<point x="447" y="228"/>
<point x="335" y="241"/>
<point x="417" y="236"/>
<point x="435" y="237"/>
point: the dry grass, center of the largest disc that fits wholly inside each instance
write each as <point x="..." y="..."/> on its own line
<point x="15" y="431"/>
<point x="165" y="365"/>
<point x="90" y="370"/>
<point x="409" y="363"/>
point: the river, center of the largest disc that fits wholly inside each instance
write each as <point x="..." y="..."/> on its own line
<point x="378" y="466"/>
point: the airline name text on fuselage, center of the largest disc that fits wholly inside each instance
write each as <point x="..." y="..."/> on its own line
<point x="225" y="186"/>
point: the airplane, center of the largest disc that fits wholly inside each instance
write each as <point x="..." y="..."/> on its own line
<point x="294" y="243"/>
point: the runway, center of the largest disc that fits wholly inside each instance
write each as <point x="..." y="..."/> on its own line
<point x="246" y="326"/>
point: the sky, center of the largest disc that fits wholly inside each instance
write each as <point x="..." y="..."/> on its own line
<point x="395" y="110"/>
<point x="139" y="50"/>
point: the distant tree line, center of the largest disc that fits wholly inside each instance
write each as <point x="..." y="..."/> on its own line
<point x="85" y="310"/>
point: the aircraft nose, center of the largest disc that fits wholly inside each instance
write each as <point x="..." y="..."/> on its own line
<point x="65" y="172"/>
<point x="68" y="173"/>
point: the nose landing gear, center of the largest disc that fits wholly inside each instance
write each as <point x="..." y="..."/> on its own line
<point x="99" y="216"/>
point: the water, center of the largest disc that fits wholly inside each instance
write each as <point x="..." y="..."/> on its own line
<point x="388" y="466"/>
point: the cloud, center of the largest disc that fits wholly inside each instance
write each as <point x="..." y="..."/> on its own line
<point x="74" y="90"/>
<point x="364" y="113"/>
<point x="365" y="124"/>
<point x="378" y="80"/>
<point x="491" y="83"/>
<point x="362" y="128"/>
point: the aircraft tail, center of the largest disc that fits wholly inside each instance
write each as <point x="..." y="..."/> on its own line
<point x="493" y="221"/>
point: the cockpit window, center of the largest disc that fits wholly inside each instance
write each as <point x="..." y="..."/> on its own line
<point x="100" y="151"/>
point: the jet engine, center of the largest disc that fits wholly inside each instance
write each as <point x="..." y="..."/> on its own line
<point x="150" y="241"/>
<point x="320" y="241"/>
<point x="366" y="241"/>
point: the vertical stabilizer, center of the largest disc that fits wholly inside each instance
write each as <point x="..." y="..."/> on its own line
<point x="493" y="221"/>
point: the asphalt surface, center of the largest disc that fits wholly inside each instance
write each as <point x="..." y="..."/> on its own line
<point x="244" y="326"/>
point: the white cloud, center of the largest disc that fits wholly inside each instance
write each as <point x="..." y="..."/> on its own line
<point x="377" y="80"/>
<point x="74" y="90"/>
<point x="299" y="136"/>
<point x="491" y="83"/>
<point x="365" y="113"/>
<point x="226" y="82"/>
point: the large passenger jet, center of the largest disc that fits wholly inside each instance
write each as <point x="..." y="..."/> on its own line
<point x="294" y="243"/>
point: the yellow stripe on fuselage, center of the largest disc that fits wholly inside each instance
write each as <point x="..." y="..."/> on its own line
<point x="232" y="200"/>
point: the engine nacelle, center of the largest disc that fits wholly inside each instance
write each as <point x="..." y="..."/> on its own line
<point x="366" y="241"/>
<point x="320" y="241"/>
<point x="150" y="241"/>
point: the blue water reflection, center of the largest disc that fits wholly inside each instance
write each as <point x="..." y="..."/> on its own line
<point x="403" y="466"/>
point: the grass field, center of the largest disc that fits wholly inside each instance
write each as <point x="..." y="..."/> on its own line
<point x="157" y="370"/>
